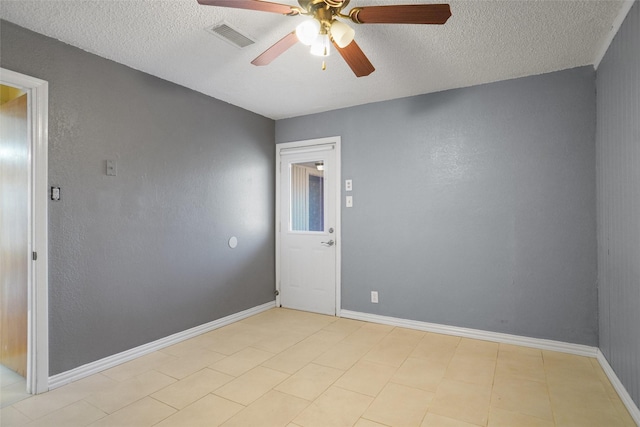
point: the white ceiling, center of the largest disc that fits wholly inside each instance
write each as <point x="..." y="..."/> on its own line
<point x="484" y="41"/>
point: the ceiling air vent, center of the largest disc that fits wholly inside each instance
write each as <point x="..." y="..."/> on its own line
<point x="231" y="35"/>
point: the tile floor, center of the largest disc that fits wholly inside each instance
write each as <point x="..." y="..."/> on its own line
<point x="290" y="368"/>
<point x="12" y="387"/>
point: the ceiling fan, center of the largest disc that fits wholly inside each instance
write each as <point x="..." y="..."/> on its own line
<point x="325" y="29"/>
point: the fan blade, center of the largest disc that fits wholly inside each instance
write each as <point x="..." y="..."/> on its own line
<point x="262" y="6"/>
<point x="401" y="14"/>
<point x="280" y="47"/>
<point x="356" y="59"/>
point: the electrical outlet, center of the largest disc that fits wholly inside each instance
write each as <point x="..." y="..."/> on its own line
<point x="374" y="297"/>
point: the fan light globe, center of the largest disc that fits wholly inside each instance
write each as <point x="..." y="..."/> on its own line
<point x="321" y="45"/>
<point x="307" y="32"/>
<point x="342" y="33"/>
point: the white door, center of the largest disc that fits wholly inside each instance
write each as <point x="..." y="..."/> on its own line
<point x="308" y="226"/>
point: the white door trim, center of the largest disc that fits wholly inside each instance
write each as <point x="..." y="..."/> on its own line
<point x="38" y="312"/>
<point x="308" y="146"/>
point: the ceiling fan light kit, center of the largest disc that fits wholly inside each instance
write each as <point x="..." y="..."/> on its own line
<point x="307" y="32"/>
<point x="321" y="46"/>
<point x="341" y="33"/>
<point x="325" y="29"/>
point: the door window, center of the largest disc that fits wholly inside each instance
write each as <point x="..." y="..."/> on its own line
<point x="307" y="196"/>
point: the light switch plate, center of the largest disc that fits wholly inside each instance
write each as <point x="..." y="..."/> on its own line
<point x="111" y="168"/>
<point x="349" y="201"/>
<point x="55" y="193"/>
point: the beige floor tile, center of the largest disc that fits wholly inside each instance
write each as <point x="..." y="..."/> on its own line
<point x="392" y="350"/>
<point x="478" y="348"/>
<point x="505" y="349"/>
<point x="184" y="366"/>
<point x="435" y="420"/>
<point x="129" y="391"/>
<point x="294" y="320"/>
<point x="344" y="325"/>
<point x="138" y="366"/>
<point x="92" y="384"/>
<point x="279" y="343"/>
<point x="580" y="418"/>
<point x="623" y="413"/>
<point x="343" y="355"/>
<point x="367" y="423"/>
<point x="325" y="339"/>
<point x="335" y="407"/>
<point x="354" y="370"/>
<point x="310" y="381"/>
<point x="210" y="411"/>
<point x="527" y="397"/>
<point x="366" y="378"/>
<point x="242" y="361"/>
<point x="11" y="417"/>
<point x="297" y="356"/>
<point x="584" y="409"/>
<point x="13" y="393"/>
<point x="561" y="367"/>
<point x="436" y="347"/>
<point x="377" y="327"/>
<point x="582" y="402"/>
<point x="306" y="323"/>
<point x="611" y="391"/>
<point x="420" y="373"/>
<point x="525" y="366"/>
<point x="369" y="334"/>
<point x="46" y="403"/>
<point x="228" y="342"/>
<point x="406" y="333"/>
<point x="186" y="391"/>
<point x="471" y="370"/>
<point x="144" y="412"/>
<point x="77" y="414"/>
<point x="574" y="391"/>
<point x="43" y="404"/>
<point x="462" y="401"/>
<point x="282" y="319"/>
<point x="272" y="409"/>
<point x="183" y="348"/>
<point x="8" y="377"/>
<point x="399" y="405"/>
<point x="251" y="385"/>
<point x="503" y="418"/>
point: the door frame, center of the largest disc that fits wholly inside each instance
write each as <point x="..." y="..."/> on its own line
<point x="37" y="229"/>
<point x="304" y="146"/>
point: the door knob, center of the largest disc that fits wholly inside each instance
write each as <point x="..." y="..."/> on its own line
<point x="329" y="243"/>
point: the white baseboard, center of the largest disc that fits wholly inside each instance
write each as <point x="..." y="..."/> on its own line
<point x="620" y="388"/>
<point x="80" y="372"/>
<point x="543" y="344"/>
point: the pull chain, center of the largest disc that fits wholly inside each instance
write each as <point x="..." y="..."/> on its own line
<point x="324" y="66"/>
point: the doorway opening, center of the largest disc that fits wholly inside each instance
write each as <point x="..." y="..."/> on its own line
<point x="23" y="227"/>
<point x="308" y="233"/>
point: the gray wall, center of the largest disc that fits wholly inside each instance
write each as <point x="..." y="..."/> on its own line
<point x="143" y="255"/>
<point x="618" y="172"/>
<point x="473" y="207"/>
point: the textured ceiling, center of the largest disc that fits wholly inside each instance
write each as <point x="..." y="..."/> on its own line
<point x="483" y="41"/>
